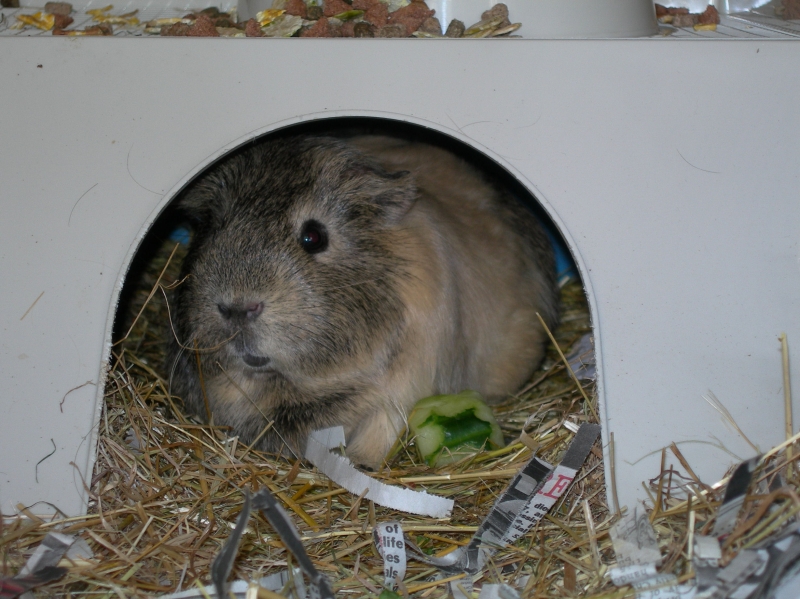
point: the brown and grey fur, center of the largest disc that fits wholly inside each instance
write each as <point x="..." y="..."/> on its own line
<point x="430" y="284"/>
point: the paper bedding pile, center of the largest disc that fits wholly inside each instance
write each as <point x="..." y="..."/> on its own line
<point x="742" y="555"/>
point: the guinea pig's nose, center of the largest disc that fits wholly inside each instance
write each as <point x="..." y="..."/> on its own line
<point x="241" y="311"/>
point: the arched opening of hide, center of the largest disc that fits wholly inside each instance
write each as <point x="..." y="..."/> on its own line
<point x="198" y="468"/>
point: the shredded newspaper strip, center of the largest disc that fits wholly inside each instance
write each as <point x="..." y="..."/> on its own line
<point x="525" y="501"/>
<point x="341" y="471"/>
<point x="638" y="556"/>
<point x="389" y="540"/>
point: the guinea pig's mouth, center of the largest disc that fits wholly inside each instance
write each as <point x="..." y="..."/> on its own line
<point x="259" y="363"/>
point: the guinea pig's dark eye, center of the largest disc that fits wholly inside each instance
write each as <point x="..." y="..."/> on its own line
<point x="314" y="237"/>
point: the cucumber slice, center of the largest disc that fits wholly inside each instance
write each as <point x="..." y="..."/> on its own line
<point x="447" y="427"/>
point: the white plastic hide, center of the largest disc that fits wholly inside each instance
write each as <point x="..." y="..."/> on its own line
<point x="671" y="169"/>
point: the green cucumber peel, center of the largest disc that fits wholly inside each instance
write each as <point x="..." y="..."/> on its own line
<point x="448" y="427"/>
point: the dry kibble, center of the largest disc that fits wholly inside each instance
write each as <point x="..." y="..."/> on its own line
<point x="296" y="8"/>
<point x="211" y="11"/>
<point x="61" y="21"/>
<point x="497" y="11"/>
<point x="365" y="4"/>
<point x="58" y="8"/>
<point x="684" y="20"/>
<point x="392" y="31"/>
<point x="456" y="28"/>
<point x="230" y="32"/>
<point x="314" y="13"/>
<point x="220" y="19"/>
<point x="378" y="14"/>
<point x="322" y="28"/>
<point x="175" y="30"/>
<point x="203" y="26"/>
<point x="364" y="29"/>
<point x="331" y="8"/>
<point x="709" y="17"/>
<point x="791" y="9"/>
<point x="431" y="25"/>
<point x="253" y="28"/>
<point x="411" y="16"/>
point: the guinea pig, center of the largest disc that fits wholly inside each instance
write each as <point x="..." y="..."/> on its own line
<point x="339" y="281"/>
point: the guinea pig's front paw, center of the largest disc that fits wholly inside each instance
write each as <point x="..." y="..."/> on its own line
<point x="368" y="460"/>
<point x="368" y="444"/>
<point x="368" y="455"/>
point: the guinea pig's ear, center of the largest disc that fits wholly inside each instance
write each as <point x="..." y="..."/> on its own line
<point x="204" y="200"/>
<point x="393" y="193"/>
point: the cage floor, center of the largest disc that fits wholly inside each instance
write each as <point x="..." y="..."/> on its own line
<point x="758" y="23"/>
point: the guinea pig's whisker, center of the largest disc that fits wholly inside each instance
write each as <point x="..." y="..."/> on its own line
<point x="357" y="283"/>
<point x="208" y="350"/>
<point x="316" y="338"/>
<point x="269" y="420"/>
<point x="191" y="348"/>
<point x="171" y="324"/>
<point x="175" y="336"/>
<point x="172" y="370"/>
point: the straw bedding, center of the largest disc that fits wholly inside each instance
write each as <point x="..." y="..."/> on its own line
<point x="166" y="491"/>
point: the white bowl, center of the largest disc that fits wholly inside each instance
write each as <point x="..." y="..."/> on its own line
<point x="571" y="19"/>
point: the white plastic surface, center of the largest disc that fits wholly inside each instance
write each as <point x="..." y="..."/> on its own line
<point x="670" y="167"/>
<point x="723" y="6"/>
<point x="560" y="18"/>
